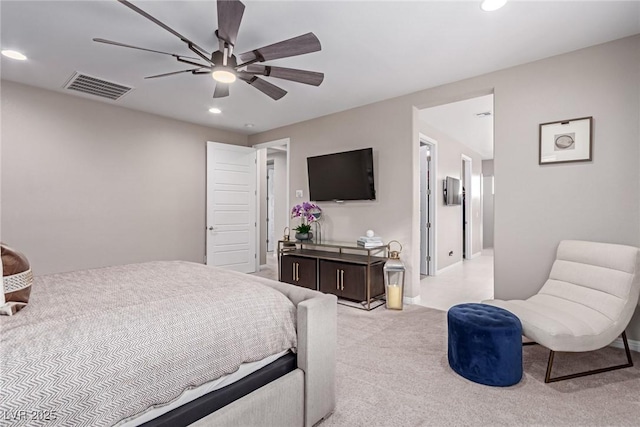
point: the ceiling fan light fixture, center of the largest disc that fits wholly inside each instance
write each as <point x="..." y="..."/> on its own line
<point x="491" y="5"/>
<point x="223" y="74"/>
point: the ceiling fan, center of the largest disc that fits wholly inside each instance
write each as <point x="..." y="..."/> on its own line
<point x="225" y="67"/>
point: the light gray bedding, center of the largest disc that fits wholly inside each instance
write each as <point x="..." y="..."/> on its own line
<point x="96" y="346"/>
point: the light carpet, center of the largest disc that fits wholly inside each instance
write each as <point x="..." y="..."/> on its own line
<point x="393" y="371"/>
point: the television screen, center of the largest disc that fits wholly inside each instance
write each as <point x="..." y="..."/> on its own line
<point x="452" y="191"/>
<point x="342" y="176"/>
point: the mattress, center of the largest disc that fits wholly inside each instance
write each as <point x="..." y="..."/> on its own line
<point x="94" y="347"/>
<point x="194" y="393"/>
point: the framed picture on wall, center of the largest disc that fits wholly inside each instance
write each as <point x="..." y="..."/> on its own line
<point x="566" y="141"/>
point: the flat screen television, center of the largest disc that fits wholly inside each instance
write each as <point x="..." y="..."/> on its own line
<point x="452" y="191"/>
<point x="342" y="176"/>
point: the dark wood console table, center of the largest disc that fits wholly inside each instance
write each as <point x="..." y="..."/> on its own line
<point x="353" y="273"/>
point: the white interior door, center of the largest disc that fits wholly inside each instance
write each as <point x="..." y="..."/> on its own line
<point x="427" y="206"/>
<point x="231" y="207"/>
<point x="424" y="212"/>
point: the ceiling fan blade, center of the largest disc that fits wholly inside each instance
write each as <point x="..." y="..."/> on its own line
<point x="222" y="90"/>
<point x="172" y="73"/>
<point x="175" y="55"/>
<point x="300" y="45"/>
<point x="267" y="88"/>
<point x="229" y="19"/>
<point x="300" y="76"/>
<point x="263" y="86"/>
<point x="154" y="20"/>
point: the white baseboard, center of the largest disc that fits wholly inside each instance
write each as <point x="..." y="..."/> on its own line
<point x="411" y="300"/>
<point x="449" y="267"/>
<point x="476" y="255"/>
<point x="633" y="344"/>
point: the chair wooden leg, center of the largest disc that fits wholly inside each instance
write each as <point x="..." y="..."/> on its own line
<point x="548" y="379"/>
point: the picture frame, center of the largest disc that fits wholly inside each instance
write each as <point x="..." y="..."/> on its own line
<point x="566" y="141"/>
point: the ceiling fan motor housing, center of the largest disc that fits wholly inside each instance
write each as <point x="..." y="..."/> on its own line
<point x="217" y="58"/>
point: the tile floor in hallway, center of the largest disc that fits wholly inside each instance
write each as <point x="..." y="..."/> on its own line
<point x="468" y="281"/>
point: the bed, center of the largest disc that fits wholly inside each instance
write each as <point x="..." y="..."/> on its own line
<point x="168" y="343"/>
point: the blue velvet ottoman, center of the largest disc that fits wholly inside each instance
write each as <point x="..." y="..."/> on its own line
<point x="485" y="344"/>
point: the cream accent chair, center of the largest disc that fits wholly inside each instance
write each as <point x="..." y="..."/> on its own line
<point x="586" y="303"/>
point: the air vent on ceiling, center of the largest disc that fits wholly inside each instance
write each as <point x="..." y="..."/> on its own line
<point x="95" y="86"/>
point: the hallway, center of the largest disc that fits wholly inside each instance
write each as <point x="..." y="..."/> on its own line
<point x="469" y="281"/>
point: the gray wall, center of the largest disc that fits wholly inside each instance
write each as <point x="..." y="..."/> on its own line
<point x="86" y="184"/>
<point x="487" y="204"/>
<point x="535" y="206"/>
<point x="449" y="218"/>
<point x="385" y="129"/>
<point x="487" y="167"/>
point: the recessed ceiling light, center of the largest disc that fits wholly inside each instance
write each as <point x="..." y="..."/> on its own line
<point x="215" y="110"/>
<point x="491" y="5"/>
<point x="13" y="54"/>
<point x="249" y="125"/>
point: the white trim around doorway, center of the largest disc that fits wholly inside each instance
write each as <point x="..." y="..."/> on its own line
<point x="277" y="143"/>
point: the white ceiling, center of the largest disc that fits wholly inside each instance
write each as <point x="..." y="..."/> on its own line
<point x="370" y="50"/>
<point x="459" y="120"/>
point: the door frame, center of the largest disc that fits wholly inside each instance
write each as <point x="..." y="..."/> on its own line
<point x="264" y="145"/>
<point x="432" y="240"/>
<point x="466" y="172"/>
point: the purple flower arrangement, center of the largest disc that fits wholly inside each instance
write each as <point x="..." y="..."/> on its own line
<point x="308" y="212"/>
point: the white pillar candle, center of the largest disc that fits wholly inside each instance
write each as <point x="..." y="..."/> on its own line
<point x="394" y="297"/>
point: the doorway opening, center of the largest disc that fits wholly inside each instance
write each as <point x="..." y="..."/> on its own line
<point x="463" y="269"/>
<point x="273" y="198"/>
<point x="244" y="213"/>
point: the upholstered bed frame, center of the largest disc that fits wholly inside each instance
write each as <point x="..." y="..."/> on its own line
<point x="306" y="395"/>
